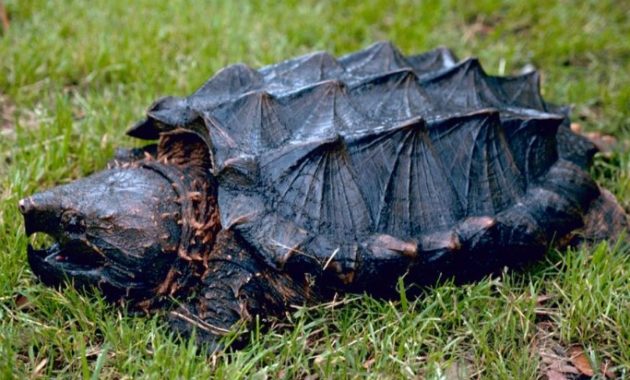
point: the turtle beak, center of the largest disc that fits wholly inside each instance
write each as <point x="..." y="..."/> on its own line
<point x="65" y="256"/>
<point x="109" y="231"/>
<point x="41" y="212"/>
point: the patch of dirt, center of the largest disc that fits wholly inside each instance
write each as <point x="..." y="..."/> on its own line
<point x="480" y="27"/>
<point x="7" y="115"/>
<point x="559" y="362"/>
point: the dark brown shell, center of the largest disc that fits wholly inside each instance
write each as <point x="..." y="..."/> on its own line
<point x="376" y="159"/>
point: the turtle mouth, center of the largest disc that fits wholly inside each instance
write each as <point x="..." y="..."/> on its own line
<point x="74" y="255"/>
<point x="56" y="259"/>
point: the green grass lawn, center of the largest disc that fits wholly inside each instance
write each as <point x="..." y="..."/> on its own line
<point x="74" y="75"/>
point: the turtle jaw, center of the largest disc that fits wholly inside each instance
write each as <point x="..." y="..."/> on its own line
<point x="75" y="257"/>
<point x="59" y="265"/>
<point x="68" y="256"/>
<point x="115" y="231"/>
<point x="136" y="231"/>
<point x="55" y="264"/>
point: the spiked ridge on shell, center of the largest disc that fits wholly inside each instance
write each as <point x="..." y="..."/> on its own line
<point x="316" y="156"/>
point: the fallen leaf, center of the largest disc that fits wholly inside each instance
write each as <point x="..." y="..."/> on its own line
<point x="580" y="360"/>
<point x="319" y="360"/>
<point x="555" y="375"/>
<point x="541" y="299"/>
<point x="4" y="17"/>
<point x="605" y="143"/>
<point x="368" y="363"/>
<point x="479" y="28"/>
<point x="39" y="367"/>
<point x="554" y="360"/>
<point x="22" y="302"/>
<point x="560" y="366"/>
<point x="576" y="127"/>
<point x="605" y="368"/>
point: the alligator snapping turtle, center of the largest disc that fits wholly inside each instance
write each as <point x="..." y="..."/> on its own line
<point x="317" y="175"/>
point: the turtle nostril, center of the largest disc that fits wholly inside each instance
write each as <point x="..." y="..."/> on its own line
<point x="24" y="205"/>
<point x="41" y="212"/>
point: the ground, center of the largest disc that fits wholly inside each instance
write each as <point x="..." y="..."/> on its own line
<point x="75" y="74"/>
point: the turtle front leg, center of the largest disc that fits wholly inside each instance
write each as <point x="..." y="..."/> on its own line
<point x="235" y="289"/>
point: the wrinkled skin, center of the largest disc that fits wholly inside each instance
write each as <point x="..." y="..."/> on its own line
<point x="109" y="231"/>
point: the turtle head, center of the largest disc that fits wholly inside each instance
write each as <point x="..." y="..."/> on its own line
<point x="115" y="230"/>
<point x="121" y="230"/>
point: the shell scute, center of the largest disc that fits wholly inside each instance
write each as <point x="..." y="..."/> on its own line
<point x="333" y="154"/>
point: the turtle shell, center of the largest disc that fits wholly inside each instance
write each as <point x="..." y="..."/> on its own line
<point x="376" y="163"/>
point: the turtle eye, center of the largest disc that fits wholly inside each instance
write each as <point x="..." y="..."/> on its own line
<point x="73" y="222"/>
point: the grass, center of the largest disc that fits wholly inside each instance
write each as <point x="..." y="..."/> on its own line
<point x="74" y="75"/>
